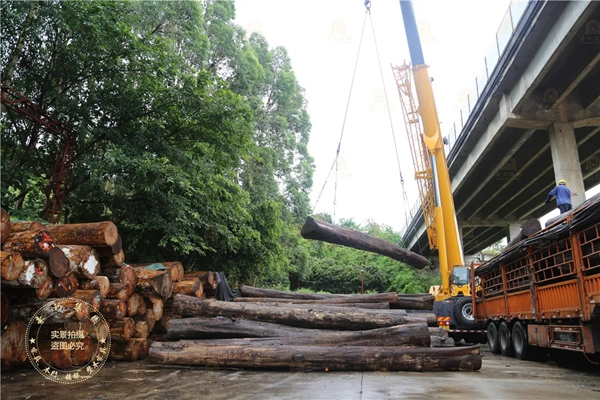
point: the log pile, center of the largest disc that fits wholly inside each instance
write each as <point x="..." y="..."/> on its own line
<point x="308" y="332"/>
<point x="84" y="261"/>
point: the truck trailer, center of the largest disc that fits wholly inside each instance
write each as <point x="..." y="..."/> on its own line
<point x="544" y="292"/>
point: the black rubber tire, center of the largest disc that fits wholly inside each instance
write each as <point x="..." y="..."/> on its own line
<point x="520" y="341"/>
<point x="463" y="313"/>
<point x="492" y="336"/>
<point x="505" y="340"/>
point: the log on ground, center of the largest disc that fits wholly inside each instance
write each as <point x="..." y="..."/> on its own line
<point x="323" y="231"/>
<point x="250" y="294"/>
<point x="318" y="358"/>
<point x="289" y="314"/>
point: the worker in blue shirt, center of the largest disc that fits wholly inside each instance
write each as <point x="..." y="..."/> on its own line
<point x="563" y="196"/>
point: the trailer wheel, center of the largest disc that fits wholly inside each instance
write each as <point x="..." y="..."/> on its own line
<point x="463" y="313"/>
<point x="492" y="335"/>
<point x="520" y="341"/>
<point x="504" y="337"/>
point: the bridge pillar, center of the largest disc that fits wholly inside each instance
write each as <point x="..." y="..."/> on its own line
<point x="565" y="158"/>
<point x="514" y="230"/>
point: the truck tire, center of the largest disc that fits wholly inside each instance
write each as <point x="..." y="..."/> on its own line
<point x="463" y="313"/>
<point x="505" y="340"/>
<point x="492" y="336"/>
<point x="520" y="341"/>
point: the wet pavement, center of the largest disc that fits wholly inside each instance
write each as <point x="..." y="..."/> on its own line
<point x="499" y="378"/>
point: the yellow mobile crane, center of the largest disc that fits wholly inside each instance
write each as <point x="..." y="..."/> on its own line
<point x="453" y="305"/>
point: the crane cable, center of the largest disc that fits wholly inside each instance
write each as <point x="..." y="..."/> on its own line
<point x="387" y="103"/>
<point x="337" y="153"/>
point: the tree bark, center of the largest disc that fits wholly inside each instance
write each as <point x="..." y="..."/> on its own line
<point x="414" y="302"/>
<point x="20" y="226"/>
<point x="30" y="244"/>
<point x="5" y="225"/>
<point x="123" y="329"/>
<point x="113" y="309"/>
<point x="92" y="297"/>
<point x="99" y="283"/>
<point x="97" y="234"/>
<point x="67" y="285"/>
<point x="13" y="344"/>
<point x="156" y="304"/>
<point x="208" y="279"/>
<point x="154" y="282"/>
<point x="12" y="265"/>
<point x="118" y="291"/>
<point x="318" y="358"/>
<point x="189" y="287"/>
<point x="289" y="314"/>
<point x="83" y="260"/>
<point x="175" y="268"/>
<point x="36" y="273"/>
<point x="323" y="231"/>
<point x="124" y="274"/>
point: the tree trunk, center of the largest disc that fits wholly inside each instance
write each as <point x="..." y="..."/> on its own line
<point x="127" y="350"/>
<point x="16" y="290"/>
<point x="250" y="291"/>
<point x="124" y="274"/>
<point x="318" y="358"/>
<point x="118" y="291"/>
<point x="58" y="358"/>
<point x="113" y="260"/>
<point x="36" y="273"/>
<point x="156" y="304"/>
<point x="92" y="297"/>
<point x="98" y="234"/>
<point x="12" y="265"/>
<point x="349" y="299"/>
<point x="142" y="330"/>
<point x="13" y="344"/>
<point x="175" y="268"/>
<point x="99" y="283"/>
<point x="154" y="282"/>
<point x="123" y="329"/>
<point x="65" y="286"/>
<point x="319" y="230"/>
<point x="289" y="314"/>
<point x="111" y="250"/>
<point x="20" y="226"/>
<point x="208" y="279"/>
<point x="83" y="355"/>
<point x="149" y="319"/>
<point x="136" y="305"/>
<point x="113" y="309"/>
<point x="58" y="262"/>
<point x="5" y="225"/>
<point x="189" y="287"/>
<point x="30" y="244"/>
<point x="324" y="307"/>
<point x="161" y="324"/>
<point x="414" y="302"/>
<point x="83" y="260"/>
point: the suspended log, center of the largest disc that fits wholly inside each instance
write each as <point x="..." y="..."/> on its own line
<point x="323" y="231"/>
<point x="113" y="260"/>
<point x="30" y="244"/>
<point x="189" y="287"/>
<point x="289" y="314"/>
<point x="92" y="297"/>
<point x="151" y="282"/>
<point x="35" y="273"/>
<point x="12" y="344"/>
<point x="113" y="309"/>
<point x="175" y="268"/>
<point x="124" y="274"/>
<point x="123" y="329"/>
<point x="12" y="265"/>
<point x="118" y="291"/>
<point x="318" y="358"/>
<point x="141" y="330"/>
<point x="83" y="260"/>
<point x="99" y="283"/>
<point x="156" y="304"/>
<point x="135" y="305"/>
<point x="98" y="234"/>
<point x="65" y="286"/>
<point x="20" y="226"/>
<point x="5" y="225"/>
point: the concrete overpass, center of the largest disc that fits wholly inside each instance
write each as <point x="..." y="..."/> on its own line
<point x="536" y="121"/>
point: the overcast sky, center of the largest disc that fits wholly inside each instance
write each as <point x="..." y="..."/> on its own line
<point x="322" y="40"/>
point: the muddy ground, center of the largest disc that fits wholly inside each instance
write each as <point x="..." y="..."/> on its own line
<point x="499" y="378"/>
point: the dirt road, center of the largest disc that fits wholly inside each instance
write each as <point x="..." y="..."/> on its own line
<point x="499" y="378"/>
